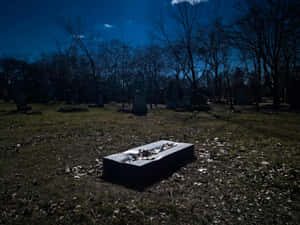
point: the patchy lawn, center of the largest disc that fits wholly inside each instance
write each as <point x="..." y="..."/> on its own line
<point x="247" y="168"/>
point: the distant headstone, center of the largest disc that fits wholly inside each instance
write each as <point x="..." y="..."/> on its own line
<point x="294" y="92"/>
<point x="20" y="97"/>
<point x="68" y="96"/>
<point x="21" y="102"/>
<point x="187" y="104"/>
<point x="172" y="95"/>
<point x="139" y="105"/>
<point x="100" y="101"/>
<point x="198" y="98"/>
<point x="199" y="101"/>
<point x="171" y="104"/>
<point x="5" y="95"/>
<point x="242" y="97"/>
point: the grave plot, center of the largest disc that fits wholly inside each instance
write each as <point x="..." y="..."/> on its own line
<point x="148" y="162"/>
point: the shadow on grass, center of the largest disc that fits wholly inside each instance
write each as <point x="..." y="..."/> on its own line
<point x="141" y="183"/>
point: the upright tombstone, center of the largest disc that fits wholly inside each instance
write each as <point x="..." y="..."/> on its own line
<point x="21" y="102"/>
<point x="100" y="91"/>
<point x="187" y="104"/>
<point x="68" y="96"/>
<point x="139" y="105"/>
<point x="100" y="101"/>
<point x="199" y="100"/>
<point x="20" y="97"/>
<point x="171" y="104"/>
<point x="242" y="96"/>
<point x="172" y="94"/>
<point x="293" y="94"/>
<point x="6" y="95"/>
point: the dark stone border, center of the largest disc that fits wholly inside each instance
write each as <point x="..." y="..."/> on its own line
<point x="145" y="172"/>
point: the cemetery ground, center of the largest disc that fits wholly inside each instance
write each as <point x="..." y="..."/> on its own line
<point x="247" y="167"/>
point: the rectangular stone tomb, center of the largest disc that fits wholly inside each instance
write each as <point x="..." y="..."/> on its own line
<point x="147" y="162"/>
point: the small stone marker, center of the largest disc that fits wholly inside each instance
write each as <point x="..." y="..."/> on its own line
<point x="242" y="97"/>
<point x="100" y="101"/>
<point x="187" y="102"/>
<point x="140" y="104"/>
<point x="172" y="94"/>
<point x="148" y="162"/>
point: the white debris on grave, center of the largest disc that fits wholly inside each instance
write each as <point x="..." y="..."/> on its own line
<point x="197" y="183"/>
<point x="147" y="154"/>
<point x="202" y="170"/>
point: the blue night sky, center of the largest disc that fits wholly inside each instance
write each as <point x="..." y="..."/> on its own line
<point x="30" y="27"/>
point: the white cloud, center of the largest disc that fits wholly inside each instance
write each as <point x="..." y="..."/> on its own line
<point x="79" y="36"/>
<point x="192" y="2"/>
<point x="106" y="25"/>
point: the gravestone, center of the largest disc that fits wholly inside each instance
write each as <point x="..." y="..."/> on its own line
<point x="21" y="102"/>
<point x="187" y="104"/>
<point x="68" y="96"/>
<point x="242" y="96"/>
<point x="100" y="101"/>
<point x="148" y="162"/>
<point x="5" y="95"/>
<point x="198" y="98"/>
<point x="20" y="97"/>
<point x="172" y="94"/>
<point x="139" y="105"/>
<point x="294" y="93"/>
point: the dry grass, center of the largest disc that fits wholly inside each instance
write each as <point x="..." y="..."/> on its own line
<point x="246" y="172"/>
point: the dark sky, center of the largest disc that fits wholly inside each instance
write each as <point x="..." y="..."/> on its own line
<point x="29" y="27"/>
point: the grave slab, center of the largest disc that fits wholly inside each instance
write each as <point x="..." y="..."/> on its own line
<point x="148" y="162"/>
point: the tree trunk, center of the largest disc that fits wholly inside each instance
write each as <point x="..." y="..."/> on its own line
<point x="258" y="91"/>
<point x="217" y="88"/>
<point x="276" y="97"/>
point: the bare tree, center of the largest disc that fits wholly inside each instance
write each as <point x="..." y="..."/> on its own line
<point x="216" y="44"/>
<point x="154" y="60"/>
<point x="79" y="38"/>
<point x="182" y="42"/>
<point x="264" y="28"/>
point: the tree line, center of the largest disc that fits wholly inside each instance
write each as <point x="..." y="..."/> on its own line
<point x="239" y="62"/>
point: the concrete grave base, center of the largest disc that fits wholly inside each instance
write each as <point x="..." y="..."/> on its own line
<point x="127" y="167"/>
